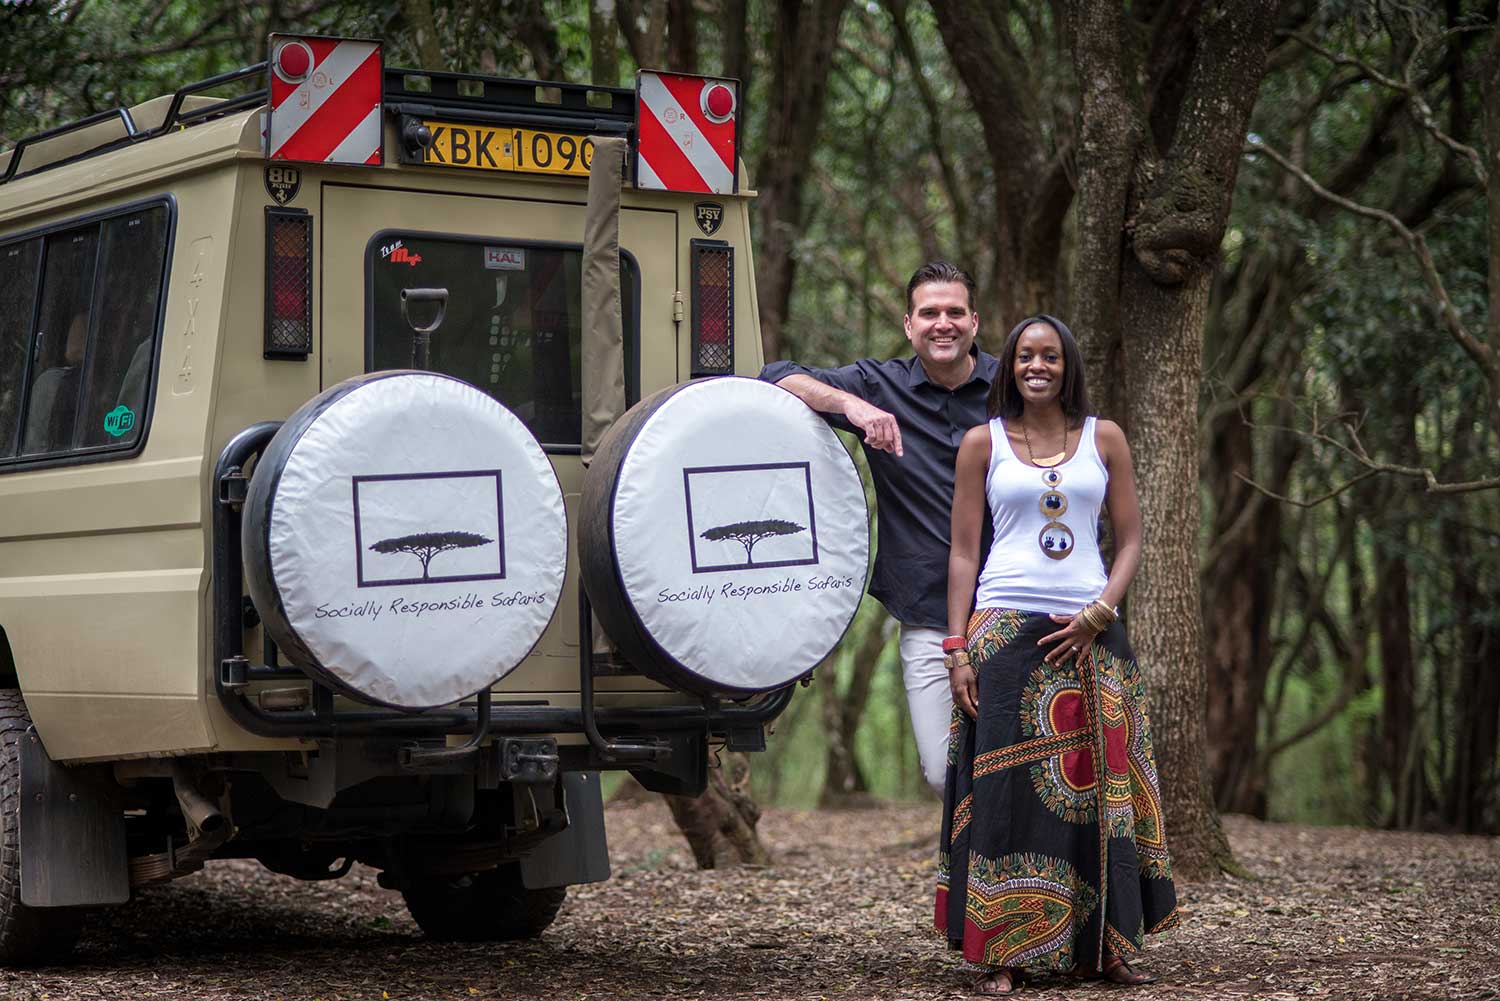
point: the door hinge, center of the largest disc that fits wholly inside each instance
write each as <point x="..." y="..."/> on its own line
<point x="676" y="307"/>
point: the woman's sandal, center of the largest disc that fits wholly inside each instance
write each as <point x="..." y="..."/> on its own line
<point x="1117" y="971"/>
<point x="988" y="985"/>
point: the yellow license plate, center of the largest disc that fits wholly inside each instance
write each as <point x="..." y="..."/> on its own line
<point x="487" y="147"/>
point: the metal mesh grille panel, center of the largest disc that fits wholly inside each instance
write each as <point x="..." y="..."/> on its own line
<point x="288" y="284"/>
<point x="713" y="308"/>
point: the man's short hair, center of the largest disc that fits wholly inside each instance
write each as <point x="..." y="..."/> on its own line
<point x="940" y="272"/>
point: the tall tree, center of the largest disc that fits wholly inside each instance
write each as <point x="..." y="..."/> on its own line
<point x="720" y="824"/>
<point x="604" y="49"/>
<point x="803" y="40"/>
<point x="1156" y="170"/>
<point x="845" y="782"/>
<point x="1031" y="164"/>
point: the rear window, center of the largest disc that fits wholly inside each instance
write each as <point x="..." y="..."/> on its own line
<point x="79" y="317"/>
<point x="513" y="326"/>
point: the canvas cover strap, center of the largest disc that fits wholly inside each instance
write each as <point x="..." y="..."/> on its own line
<point x="603" y="332"/>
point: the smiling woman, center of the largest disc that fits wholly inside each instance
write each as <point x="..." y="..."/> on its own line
<point x="1052" y="791"/>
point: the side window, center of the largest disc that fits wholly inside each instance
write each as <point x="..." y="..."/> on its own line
<point x="119" y="365"/>
<point x="78" y="326"/>
<point x="18" y="265"/>
<point x="514" y="322"/>
<point x="61" y="343"/>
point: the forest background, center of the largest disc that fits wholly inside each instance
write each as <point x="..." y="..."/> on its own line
<point x="1273" y="226"/>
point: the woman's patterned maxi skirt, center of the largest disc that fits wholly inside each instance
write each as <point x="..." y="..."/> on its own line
<point x="1043" y="865"/>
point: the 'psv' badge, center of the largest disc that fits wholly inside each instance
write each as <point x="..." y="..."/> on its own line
<point x="282" y="183"/>
<point x="709" y="216"/>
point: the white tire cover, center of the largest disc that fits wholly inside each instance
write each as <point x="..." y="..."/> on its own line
<point x="405" y="539"/>
<point x="740" y="535"/>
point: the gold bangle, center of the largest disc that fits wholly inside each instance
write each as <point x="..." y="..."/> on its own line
<point x="1097" y="616"/>
<point x="958" y="658"/>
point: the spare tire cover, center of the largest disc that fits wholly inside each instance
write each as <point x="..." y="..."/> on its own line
<point x="724" y="536"/>
<point x="405" y="539"/>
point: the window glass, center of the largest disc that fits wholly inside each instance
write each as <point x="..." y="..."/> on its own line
<point x="58" y="354"/>
<point x="18" y="263"/>
<point x="119" y="360"/>
<point x="513" y="325"/>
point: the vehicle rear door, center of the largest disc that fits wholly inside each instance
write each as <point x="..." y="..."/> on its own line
<point x="512" y="266"/>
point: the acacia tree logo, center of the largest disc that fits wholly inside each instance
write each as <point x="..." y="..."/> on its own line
<point x="748" y="533"/>
<point x="425" y="545"/>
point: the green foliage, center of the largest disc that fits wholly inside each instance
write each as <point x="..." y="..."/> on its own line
<point x="900" y="174"/>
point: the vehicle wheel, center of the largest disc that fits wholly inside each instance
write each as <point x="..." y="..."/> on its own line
<point x="27" y="935"/>
<point x="489" y="906"/>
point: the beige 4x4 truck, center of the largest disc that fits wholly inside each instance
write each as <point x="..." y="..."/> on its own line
<point x="377" y="466"/>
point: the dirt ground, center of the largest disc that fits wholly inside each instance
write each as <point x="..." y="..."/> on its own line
<point x="845" y="912"/>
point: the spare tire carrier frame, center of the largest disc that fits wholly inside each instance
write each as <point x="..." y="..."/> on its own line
<point x="233" y="672"/>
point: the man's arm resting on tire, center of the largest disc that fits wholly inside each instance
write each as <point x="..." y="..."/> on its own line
<point x="880" y="428"/>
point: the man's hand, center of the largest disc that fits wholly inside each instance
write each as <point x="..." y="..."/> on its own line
<point x="880" y="428"/>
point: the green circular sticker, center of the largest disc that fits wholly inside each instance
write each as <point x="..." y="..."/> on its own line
<point x="119" y="421"/>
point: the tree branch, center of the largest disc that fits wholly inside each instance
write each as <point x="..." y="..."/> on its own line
<point x="1421" y="110"/>
<point x="1330" y="495"/>
<point x="1359" y="454"/>
<point x="1481" y="353"/>
<point x="958" y="199"/>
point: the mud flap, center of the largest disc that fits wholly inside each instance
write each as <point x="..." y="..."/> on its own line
<point x="72" y="833"/>
<point x="580" y="854"/>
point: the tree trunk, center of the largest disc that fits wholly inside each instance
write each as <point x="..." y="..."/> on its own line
<point x="604" y="49"/>
<point x="682" y="36"/>
<point x="802" y="49"/>
<point x="1160" y="216"/>
<point x="844" y="781"/>
<point x="1402" y="741"/>
<point x="419" y="14"/>
<point x="1165" y="326"/>
<point x="1238" y="594"/>
<point x="1490" y="71"/>
<point x="1402" y="744"/>
<point x="1032" y="194"/>
<point x="737" y="60"/>
<point x="1471" y="785"/>
<point x="644" y="25"/>
<point x="720" y="824"/>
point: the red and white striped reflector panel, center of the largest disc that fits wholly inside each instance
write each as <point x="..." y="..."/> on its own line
<point x="325" y="100"/>
<point x="686" y="133"/>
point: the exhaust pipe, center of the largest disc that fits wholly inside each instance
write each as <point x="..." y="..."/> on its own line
<point x="203" y="814"/>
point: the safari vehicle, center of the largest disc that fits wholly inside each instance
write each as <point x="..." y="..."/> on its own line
<point x="326" y="534"/>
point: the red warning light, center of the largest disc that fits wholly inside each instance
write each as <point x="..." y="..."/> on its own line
<point x="293" y="61"/>
<point x="718" y="102"/>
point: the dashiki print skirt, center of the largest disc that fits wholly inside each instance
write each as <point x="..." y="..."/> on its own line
<point x="1042" y="864"/>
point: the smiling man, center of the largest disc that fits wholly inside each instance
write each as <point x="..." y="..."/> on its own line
<point x="912" y="413"/>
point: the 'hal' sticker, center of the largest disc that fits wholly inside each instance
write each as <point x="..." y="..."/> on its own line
<point x="119" y="421"/>
<point x="505" y="258"/>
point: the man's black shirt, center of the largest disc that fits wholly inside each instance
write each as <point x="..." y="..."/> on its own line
<point x="914" y="492"/>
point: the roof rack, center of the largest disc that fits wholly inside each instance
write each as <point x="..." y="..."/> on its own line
<point x="501" y="99"/>
<point x="462" y="95"/>
<point x="174" y="118"/>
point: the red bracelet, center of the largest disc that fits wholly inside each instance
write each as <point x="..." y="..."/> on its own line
<point x="952" y="643"/>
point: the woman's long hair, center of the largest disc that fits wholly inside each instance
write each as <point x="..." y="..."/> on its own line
<point x="1005" y="399"/>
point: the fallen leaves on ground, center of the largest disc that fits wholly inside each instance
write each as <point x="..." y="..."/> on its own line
<point x="844" y="912"/>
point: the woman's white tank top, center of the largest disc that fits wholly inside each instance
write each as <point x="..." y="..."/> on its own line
<point x="1045" y="557"/>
